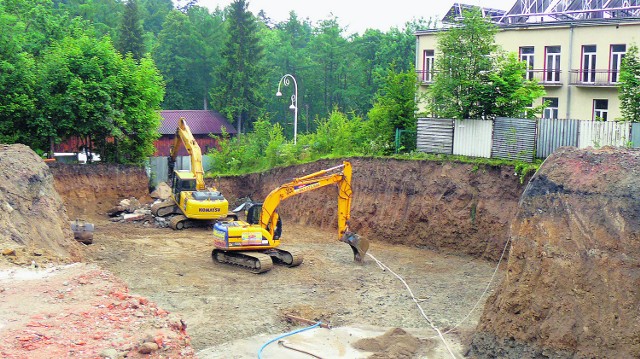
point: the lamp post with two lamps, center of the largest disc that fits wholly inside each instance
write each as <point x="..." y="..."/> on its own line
<point x="294" y="101"/>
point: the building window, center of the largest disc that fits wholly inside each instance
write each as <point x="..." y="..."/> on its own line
<point x="600" y="110"/>
<point x="526" y="56"/>
<point x="588" y="63"/>
<point x="428" y="63"/>
<point x="617" y="54"/>
<point x="551" y="107"/>
<point x="552" y="65"/>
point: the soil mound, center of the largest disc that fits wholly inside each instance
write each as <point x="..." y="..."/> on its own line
<point x="394" y="344"/>
<point x="33" y="219"/>
<point x="571" y="288"/>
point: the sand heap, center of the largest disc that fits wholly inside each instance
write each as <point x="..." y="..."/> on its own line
<point x="572" y="288"/>
<point x="33" y="220"/>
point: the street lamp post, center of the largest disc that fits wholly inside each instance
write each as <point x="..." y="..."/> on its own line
<point x="294" y="102"/>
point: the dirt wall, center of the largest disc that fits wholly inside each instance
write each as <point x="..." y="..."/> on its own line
<point x="458" y="208"/>
<point x="90" y="190"/>
<point x="571" y="287"/>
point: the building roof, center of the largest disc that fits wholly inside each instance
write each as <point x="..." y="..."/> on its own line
<point x="201" y="122"/>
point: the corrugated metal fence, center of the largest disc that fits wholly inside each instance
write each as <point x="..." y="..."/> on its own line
<point x="603" y="133"/>
<point x="521" y="139"/>
<point x="554" y="133"/>
<point x="435" y="135"/>
<point x="472" y="138"/>
<point x="514" y="139"/>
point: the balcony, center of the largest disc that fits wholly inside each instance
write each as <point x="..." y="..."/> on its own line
<point x="425" y="77"/>
<point x="549" y="78"/>
<point x="595" y="78"/>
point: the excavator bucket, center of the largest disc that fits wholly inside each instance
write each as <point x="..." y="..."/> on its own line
<point x="358" y="244"/>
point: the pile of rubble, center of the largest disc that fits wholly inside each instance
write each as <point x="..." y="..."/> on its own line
<point x="133" y="210"/>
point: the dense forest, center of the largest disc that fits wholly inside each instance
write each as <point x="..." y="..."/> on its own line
<point x="100" y="70"/>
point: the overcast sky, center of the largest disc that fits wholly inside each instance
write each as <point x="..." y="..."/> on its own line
<point x="358" y="15"/>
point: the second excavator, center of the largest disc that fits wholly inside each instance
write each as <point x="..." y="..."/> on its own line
<point x="254" y="244"/>
<point x="191" y="202"/>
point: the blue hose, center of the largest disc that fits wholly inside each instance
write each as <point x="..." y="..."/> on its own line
<point x="284" y="336"/>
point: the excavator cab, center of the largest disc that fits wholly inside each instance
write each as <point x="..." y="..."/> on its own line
<point x="182" y="184"/>
<point x="253" y="211"/>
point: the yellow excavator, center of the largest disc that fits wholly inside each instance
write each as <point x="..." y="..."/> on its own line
<point x="254" y="244"/>
<point x="191" y="203"/>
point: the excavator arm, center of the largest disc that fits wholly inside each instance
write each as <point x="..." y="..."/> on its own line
<point x="185" y="137"/>
<point x="269" y="217"/>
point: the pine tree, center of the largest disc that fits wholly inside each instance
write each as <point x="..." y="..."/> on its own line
<point x="239" y="79"/>
<point x="130" y="32"/>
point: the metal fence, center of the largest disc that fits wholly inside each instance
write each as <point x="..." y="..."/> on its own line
<point x="554" y="133"/>
<point x="603" y="133"/>
<point x="472" y="138"/>
<point x="520" y="139"/>
<point x="435" y="135"/>
<point x="514" y="139"/>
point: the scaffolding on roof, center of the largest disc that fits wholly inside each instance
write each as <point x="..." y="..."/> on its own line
<point x="535" y="11"/>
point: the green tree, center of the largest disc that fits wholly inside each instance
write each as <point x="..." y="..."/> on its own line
<point x="239" y="80"/>
<point x="208" y="34"/>
<point x="87" y="90"/>
<point x="17" y="80"/>
<point x="394" y="108"/>
<point x="153" y="14"/>
<point x="474" y="79"/>
<point x="104" y="15"/>
<point x="629" y="88"/>
<point x="509" y="93"/>
<point x="141" y="92"/>
<point x="327" y="52"/>
<point x="464" y="56"/>
<point x="130" y="32"/>
<point x="174" y="57"/>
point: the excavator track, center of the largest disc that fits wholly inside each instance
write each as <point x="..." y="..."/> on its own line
<point x="179" y="222"/>
<point x="164" y="208"/>
<point x="287" y="257"/>
<point x="256" y="262"/>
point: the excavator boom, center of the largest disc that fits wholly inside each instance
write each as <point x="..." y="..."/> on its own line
<point x="269" y="217"/>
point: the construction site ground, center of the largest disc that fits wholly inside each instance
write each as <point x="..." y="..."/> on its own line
<point x="440" y="227"/>
<point x="140" y="290"/>
<point x="222" y="304"/>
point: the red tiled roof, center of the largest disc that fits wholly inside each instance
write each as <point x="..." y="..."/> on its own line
<point x="201" y="122"/>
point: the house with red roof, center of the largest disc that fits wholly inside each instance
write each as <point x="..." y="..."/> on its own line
<point x="203" y="124"/>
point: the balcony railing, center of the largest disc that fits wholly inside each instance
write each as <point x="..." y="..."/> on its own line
<point x="593" y="78"/>
<point x="545" y="77"/>
<point x="425" y="77"/>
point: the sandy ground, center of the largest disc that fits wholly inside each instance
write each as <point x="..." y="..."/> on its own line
<point x="224" y="305"/>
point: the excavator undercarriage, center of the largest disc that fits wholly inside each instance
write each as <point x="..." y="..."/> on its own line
<point x="259" y="262"/>
<point x="178" y="221"/>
